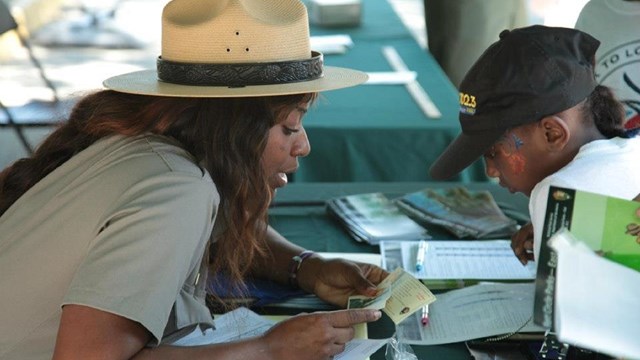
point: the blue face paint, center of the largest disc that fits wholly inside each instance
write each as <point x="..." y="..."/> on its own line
<point x="517" y="142"/>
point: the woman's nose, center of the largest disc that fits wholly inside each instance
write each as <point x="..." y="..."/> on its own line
<point x="302" y="146"/>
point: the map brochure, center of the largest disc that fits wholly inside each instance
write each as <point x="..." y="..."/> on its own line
<point x="608" y="226"/>
<point x="372" y="218"/>
<point x="464" y="213"/>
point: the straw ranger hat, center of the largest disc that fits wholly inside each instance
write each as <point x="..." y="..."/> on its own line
<point x="235" y="48"/>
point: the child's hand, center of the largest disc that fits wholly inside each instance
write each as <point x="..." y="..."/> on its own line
<point x="634" y="229"/>
<point x="522" y="243"/>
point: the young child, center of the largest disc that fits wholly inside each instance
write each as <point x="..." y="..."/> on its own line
<point x="531" y="106"/>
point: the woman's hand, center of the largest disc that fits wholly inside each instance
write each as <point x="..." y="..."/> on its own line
<point x="334" y="280"/>
<point x="522" y="243"/>
<point x="314" y="336"/>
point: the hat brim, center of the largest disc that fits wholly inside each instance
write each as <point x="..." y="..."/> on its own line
<point x="462" y="152"/>
<point x="146" y="82"/>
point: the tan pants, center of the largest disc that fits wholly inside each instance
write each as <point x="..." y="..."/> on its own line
<point x="458" y="31"/>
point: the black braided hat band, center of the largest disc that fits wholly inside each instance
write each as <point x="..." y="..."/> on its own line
<point x="241" y="74"/>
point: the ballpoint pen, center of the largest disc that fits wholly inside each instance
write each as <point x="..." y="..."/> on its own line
<point x="422" y="249"/>
<point x="425" y="315"/>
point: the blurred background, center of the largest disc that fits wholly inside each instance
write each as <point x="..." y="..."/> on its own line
<point x="53" y="51"/>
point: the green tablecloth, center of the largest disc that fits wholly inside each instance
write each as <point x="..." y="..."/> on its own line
<point x="378" y="132"/>
<point x="298" y="213"/>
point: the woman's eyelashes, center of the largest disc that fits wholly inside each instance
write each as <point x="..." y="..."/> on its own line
<point x="288" y="131"/>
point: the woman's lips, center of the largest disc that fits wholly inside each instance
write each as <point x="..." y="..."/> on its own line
<point x="280" y="180"/>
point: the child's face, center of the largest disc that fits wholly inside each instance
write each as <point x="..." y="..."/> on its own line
<point x="516" y="160"/>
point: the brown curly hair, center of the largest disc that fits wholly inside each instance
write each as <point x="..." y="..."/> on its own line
<point x="227" y="136"/>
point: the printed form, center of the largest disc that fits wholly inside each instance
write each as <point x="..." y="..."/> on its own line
<point x="243" y="323"/>
<point x="483" y="310"/>
<point x="457" y="259"/>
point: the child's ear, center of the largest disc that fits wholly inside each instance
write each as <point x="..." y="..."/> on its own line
<point x="556" y="132"/>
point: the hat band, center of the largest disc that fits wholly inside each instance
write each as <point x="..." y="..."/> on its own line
<point x="242" y="74"/>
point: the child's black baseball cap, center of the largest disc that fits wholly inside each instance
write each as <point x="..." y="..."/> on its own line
<point x="530" y="73"/>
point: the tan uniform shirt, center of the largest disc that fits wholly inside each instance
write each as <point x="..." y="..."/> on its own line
<point x="121" y="227"/>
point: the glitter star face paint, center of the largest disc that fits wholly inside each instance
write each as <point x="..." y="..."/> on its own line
<point x="521" y="158"/>
<point x="507" y="160"/>
<point x="507" y="149"/>
<point x="511" y="144"/>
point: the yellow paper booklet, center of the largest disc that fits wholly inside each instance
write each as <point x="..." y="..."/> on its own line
<point x="399" y="295"/>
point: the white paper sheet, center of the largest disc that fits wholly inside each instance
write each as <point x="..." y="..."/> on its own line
<point x="417" y="92"/>
<point x="243" y="323"/>
<point x="478" y="311"/>
<point x="391" y="77"/>
<point x="331" y="44"/>
<point x="463" y="259"/>
<point x="597" y="301"/>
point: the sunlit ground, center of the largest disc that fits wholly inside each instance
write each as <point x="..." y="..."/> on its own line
<point x="78" y="69"/>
